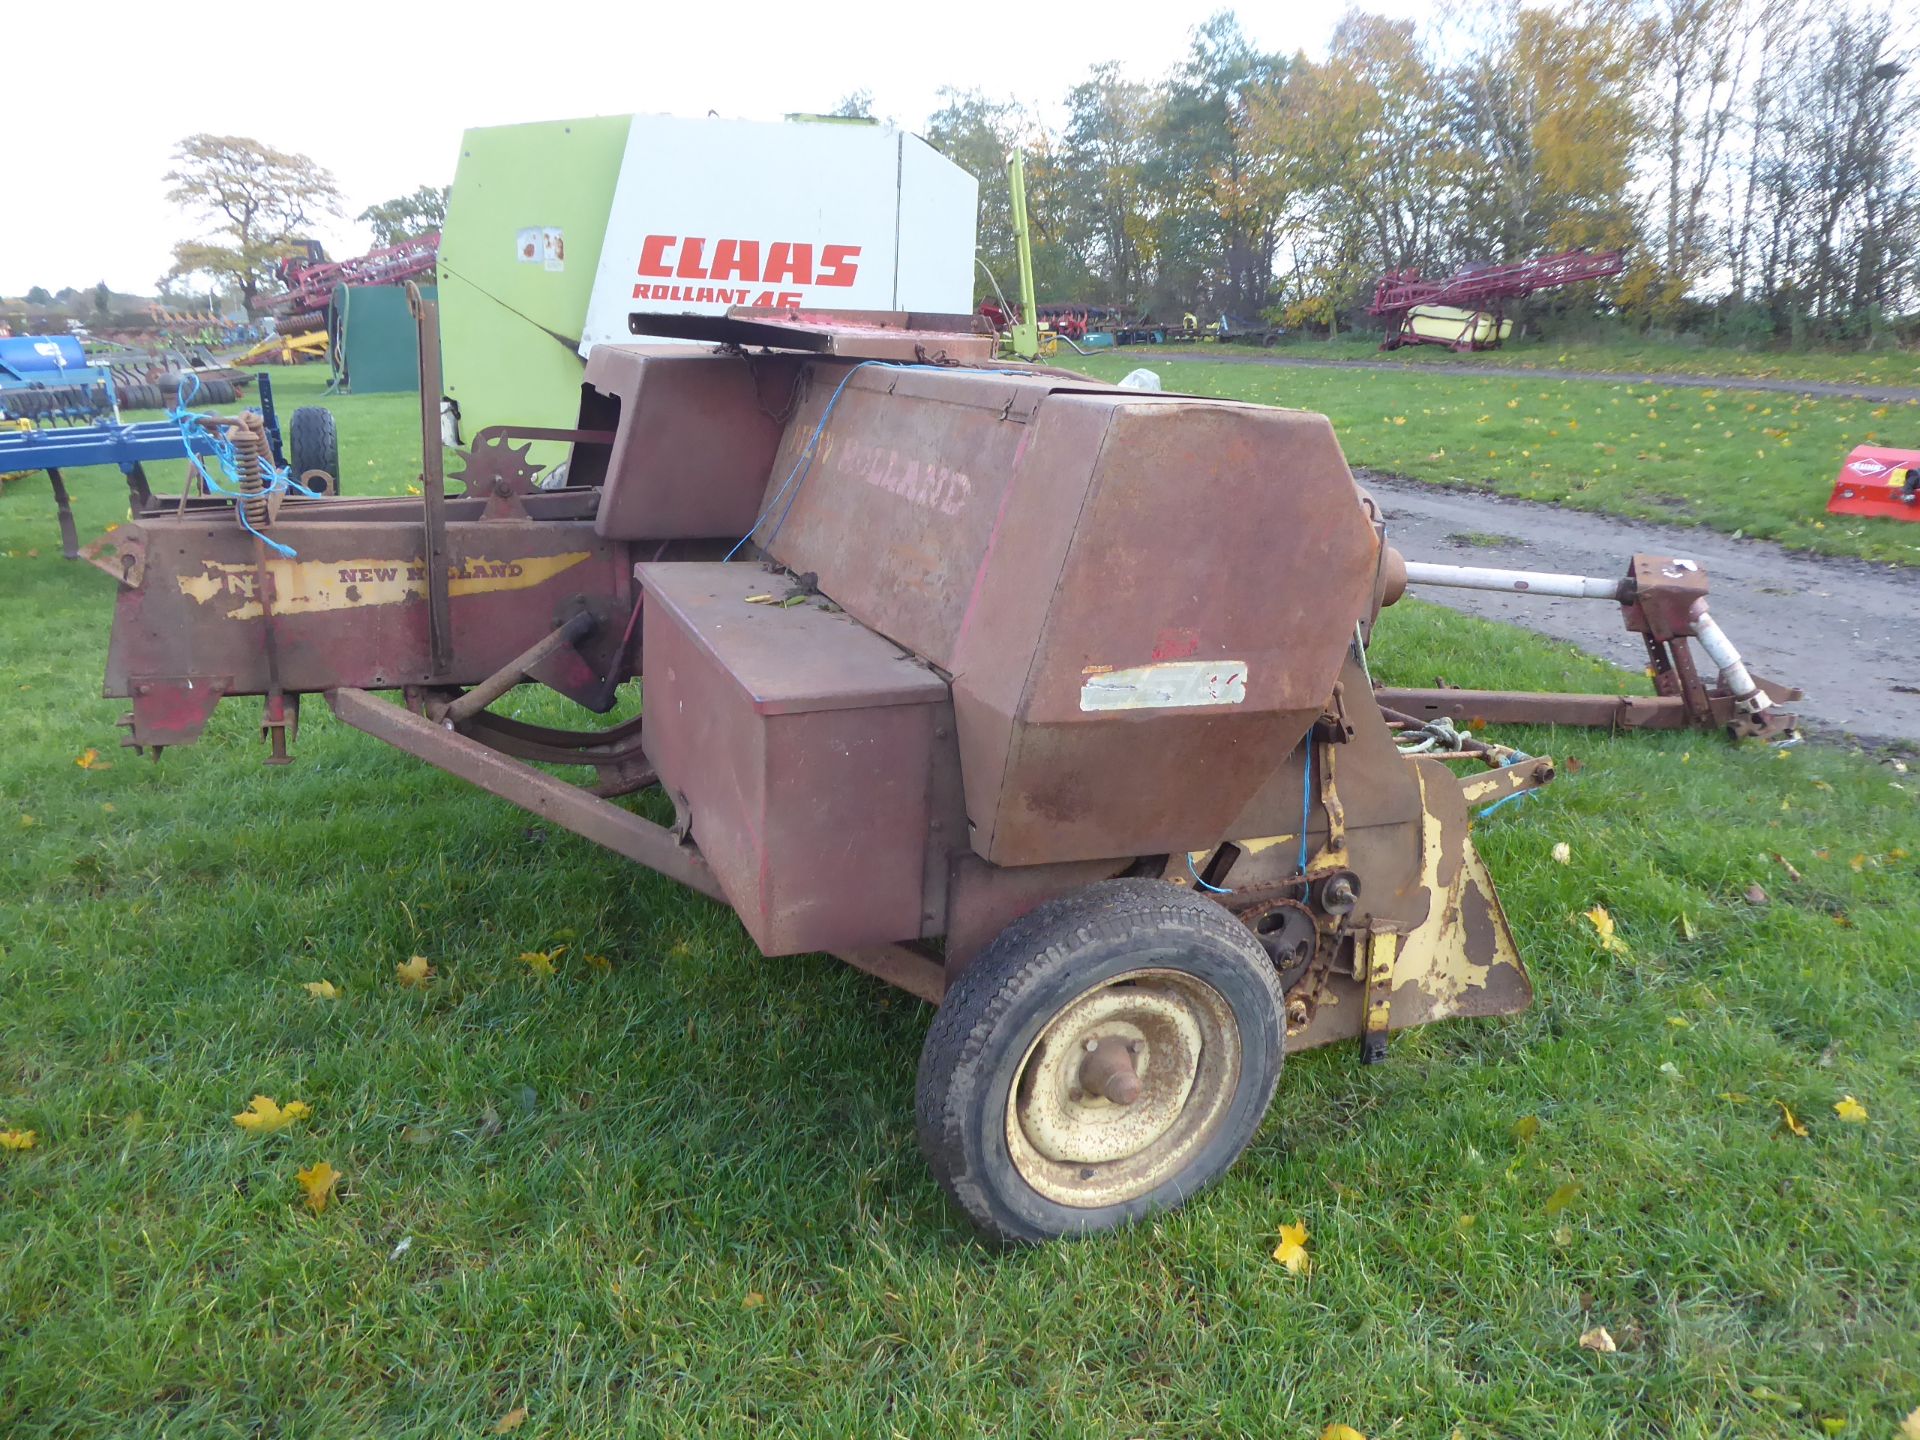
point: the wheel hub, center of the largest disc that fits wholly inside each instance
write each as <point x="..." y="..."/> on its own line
<point x="1120" y="1088"/>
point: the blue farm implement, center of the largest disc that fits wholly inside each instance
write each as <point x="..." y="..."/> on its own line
<point x="52" y="380"/>
<point x="26" y="447"/>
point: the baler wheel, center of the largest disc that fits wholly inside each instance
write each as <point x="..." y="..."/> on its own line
<point x="1105" y="1057"/>
<point x="314" y="444"/>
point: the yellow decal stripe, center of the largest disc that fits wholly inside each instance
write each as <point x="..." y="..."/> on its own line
<point x="306" y="587"/>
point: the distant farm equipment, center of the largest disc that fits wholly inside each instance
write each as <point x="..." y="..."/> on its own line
<point x="311" y="280"/>
<point x="286" y="349"/>
<point x="29" y="444"/>
<point x="53" y="380"/>
<point x="1878" y="481"/>
<point x="1467" y="310"/>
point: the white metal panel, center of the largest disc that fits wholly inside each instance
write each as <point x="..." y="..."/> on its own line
<point x="939" y="218"/>
<point x="709" y="213"/>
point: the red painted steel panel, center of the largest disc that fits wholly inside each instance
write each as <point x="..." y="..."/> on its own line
<point x="801" y="746"/>
<point x="696" y="437"/>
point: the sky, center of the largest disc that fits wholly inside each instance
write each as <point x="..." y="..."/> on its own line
<point x="379" y="94"/>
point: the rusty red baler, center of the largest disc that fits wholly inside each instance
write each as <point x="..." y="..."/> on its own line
<point x="1043" y="699"/>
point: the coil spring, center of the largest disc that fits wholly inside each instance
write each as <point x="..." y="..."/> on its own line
<point x="249" y="444"/>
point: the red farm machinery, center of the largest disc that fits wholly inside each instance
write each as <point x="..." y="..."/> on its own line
<point x="1467" y="310"/>
<point x="311" y="280"/>
<point x="1043" y="699"/>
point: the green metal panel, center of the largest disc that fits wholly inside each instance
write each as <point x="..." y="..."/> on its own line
<point x="509" y="326"/>
<point x="379" y="341"/>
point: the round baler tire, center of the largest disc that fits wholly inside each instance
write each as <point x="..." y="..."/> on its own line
<point x="314" y="444"/>
<point x="217" y="392"/>
<point x="1048" y="966"/>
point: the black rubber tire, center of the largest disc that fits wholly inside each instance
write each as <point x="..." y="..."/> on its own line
<point x="1035" y="968"/>
<point x="217" y="392"/>
<point x="314" y="444"/>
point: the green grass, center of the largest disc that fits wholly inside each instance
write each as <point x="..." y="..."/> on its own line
<point x="1737" y="461"/>
<point x="598" y="1173"/>
<point x="1639" y="356"/>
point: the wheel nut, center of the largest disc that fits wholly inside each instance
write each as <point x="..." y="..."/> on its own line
<point x="1093" y="1044"/>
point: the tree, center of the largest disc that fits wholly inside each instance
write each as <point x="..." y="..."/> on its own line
<point x="406" y="216"/>
<point x="1696" y="58"/>
<point x="256" y="200"/>
<point x="978" y="134"/>
<point x="39" y="295"/>
<point x="1221" y="191"/>
<point x="1103" y="162"/>
<point x="102" y="300"/>
<point x="857" y="105"/>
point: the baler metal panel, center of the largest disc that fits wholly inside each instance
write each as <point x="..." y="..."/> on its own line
<point x="350" y="608"/>
<point x="696" y="438"/>
<point x="801" y="746"/>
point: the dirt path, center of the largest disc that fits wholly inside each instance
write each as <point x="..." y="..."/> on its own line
<point x="1842" y="630"/>
<point x="1878" y="394"/>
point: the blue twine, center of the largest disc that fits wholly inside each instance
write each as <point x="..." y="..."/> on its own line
<point x="1306" y="802"/>
<point x="804" y="465"/>
<point x="1210" y="889"/>
<point x="1514" y="759"/>
<point x="215" y="446"/>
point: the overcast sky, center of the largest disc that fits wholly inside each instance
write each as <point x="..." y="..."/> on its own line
<point x="379" y="93"/>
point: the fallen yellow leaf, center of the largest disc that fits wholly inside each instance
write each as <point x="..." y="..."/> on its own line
<point x="1789" y="1122"/>
<point x="540" y="962"/>
<point x="19" y="1139"/>
<point x="1563" y="853"/>
<point x="1598" y="1341"/>
<point x="753" y="1301"/>
<point x="511" y="1421"/>
<point x="1346" y="1432"/>
<point x="597" y="962"/>
<point x="1526" y="1127"/>
<point x="1292" y="1249"/>
<point x="318" y="1181"/>
<point x="1602" y="924"/>
<point x="89" y="759"/>
<point x="264" y="1116"/>
<point x="322" y="990"/>
<point x="1850" y="1110"/>
<point x="1910" y="1427"/>
<point x="414" y="972"/>
<point x="1563" y="1197"/>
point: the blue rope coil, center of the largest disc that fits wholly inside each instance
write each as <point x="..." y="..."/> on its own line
<point x="207" y="443"/>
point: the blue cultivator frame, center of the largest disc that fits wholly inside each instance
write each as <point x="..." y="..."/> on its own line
<point x="58" y="448"/>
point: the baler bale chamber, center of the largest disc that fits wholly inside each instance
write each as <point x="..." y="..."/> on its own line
<point x="1043" y="699"/>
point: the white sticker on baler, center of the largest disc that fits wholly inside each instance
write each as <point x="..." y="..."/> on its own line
<point x="1172" y="685"/>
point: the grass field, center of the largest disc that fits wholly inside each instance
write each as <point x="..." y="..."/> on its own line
<point x="682" y="1196"/>
<point x="1638" y="356"/>
<point x="1736" y="461"/>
